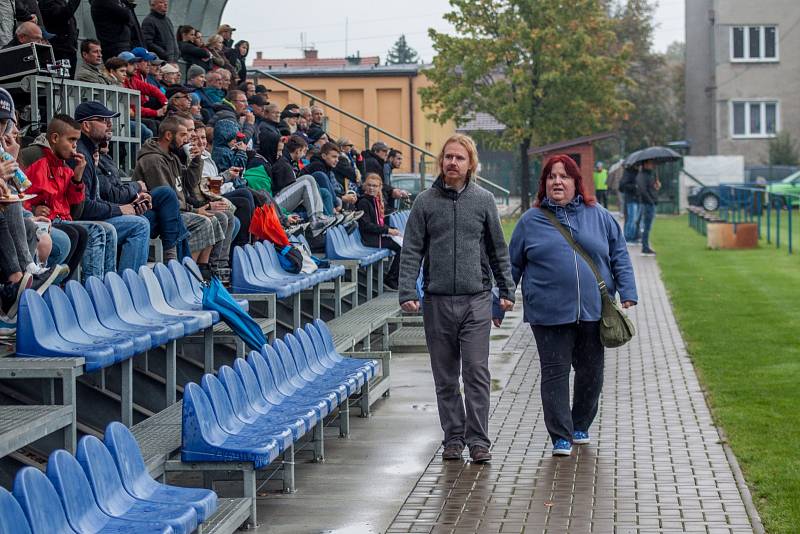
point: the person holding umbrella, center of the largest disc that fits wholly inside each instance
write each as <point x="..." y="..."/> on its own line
<point x="648" y="186"/>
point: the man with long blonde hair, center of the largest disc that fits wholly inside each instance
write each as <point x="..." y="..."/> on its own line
<point x="454" y="232"/>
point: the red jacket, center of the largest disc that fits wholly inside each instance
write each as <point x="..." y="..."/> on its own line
<point x="147" y="90"/>
<point x="51" y="181"/>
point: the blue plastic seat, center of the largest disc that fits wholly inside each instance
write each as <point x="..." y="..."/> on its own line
<point x="137" y="481"/>
<point x="244" y="278"/>
<point x="333" y="395"/>
<point x="316" y="354"/>
<point x="341" y="246"/>
<point x="327" y="355"/>
<point x="40" y="503"/>
<point x="80" y="508"/>
<point x="159" y="301"/>
<point x="171" y="293"/>
<point x="119" y="295"/>
<point x="248" y="415"/>
<point x="70" y="329"/>
<point x="316" y="374"/>
<point x="264" y="270"/>
<point x="221" y="403"/>
<point x="275" y="386"/>
<point x="328" y="273"/>
<point x="12" y="518"/>
<point x="269" y="259"/>
<point x="108" y="316"/>
<point x="205" y="441"/>
<point x="91" y="324"/>
<point x="188" y="286"/>
<point x="38" y="336"/>
<point x="143" y="305"/>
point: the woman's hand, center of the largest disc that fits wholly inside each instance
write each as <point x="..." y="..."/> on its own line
<point x="628" y="304"/>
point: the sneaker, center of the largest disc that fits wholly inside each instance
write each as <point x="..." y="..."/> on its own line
<point x="8" y="327"/>
<point x="648" y="252"/>
<point x="11" y="293"/>
<point x="453" y="452"/>
<point x="562" y="447"/>
<point x="352" y="216"/>
<point x="480" y="454"/>
<point x="579" y="437"/>
<point x="44" y="279"/>
<point x="321" y="223"/>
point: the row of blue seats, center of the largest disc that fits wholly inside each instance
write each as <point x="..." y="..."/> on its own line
<point x="257" y="409"/>
<point x="105" y="488"/>
<point x="339" y="245"/>
<point x="111" y="320"/>
<point x="399" y="219"/>
<point x="257" y="269"/>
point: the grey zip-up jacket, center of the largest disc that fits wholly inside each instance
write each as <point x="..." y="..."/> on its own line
<point x="458" y="239"/>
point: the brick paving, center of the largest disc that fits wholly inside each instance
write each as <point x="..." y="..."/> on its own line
<point x="655" y="464"/>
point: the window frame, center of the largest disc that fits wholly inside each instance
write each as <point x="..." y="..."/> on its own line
<point x="748" y="104"/>
<point x="762" y="43"/>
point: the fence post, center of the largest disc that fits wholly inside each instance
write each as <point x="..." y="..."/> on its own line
<point x="789" y="207"/>
<point x="778" y="227"/>
<point x="769" y="220"/>
<point x="758" y="213"/>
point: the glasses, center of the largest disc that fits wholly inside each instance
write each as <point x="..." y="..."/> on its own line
<point x="180" y="96"/>
<point x="101" y="119"/>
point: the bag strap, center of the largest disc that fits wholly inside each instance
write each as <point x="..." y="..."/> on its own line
<point x="574" y="244"/>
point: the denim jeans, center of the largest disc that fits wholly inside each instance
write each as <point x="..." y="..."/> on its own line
<point x="100" y="256"/>
<point x="325" y="183"/>
<point x="648" y="212"/>
<point x="560" y="347"/>
<point x="632" y="215"/>
<point x="61" y="247"/>
<point x="133" y="239"/>
<point x="165" y="217"/>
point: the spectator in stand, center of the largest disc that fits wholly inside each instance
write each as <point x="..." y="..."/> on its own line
<point x="158" y="32"/>
<point x="151" y="95"/>
<point x="234" y="108"/>
<point x="226" y="34"/>
<point x="346" y="170"/>
<point x="228" y="149"/>
<point x="159" y="164"/>
<point x="190" y="52"/>
<point x="289" y="119"/>
<point x="321" y="168"/>
<point x="217" y="51"/>
<point x="116" y="25"/>
<point x="248" y="88"/>
<point x="59" y="188"/>
<point x="238" y="58"/>
<point x="116" y="69"/>
<point x="196" y="76"/>
<point x="91" y="67"/>
<point x="195" y="107"/>
<point x="179" y="99"/>
<point x="225" y="79"/>
<point x="131" y="232"/>
<point x="213" y="91"/>
<point x="170" y="77"/>
<point x="154" y="72"/>
<point x="374" y="228"/>
<point x="28" y="32"/>
<point x="12" y="12"/>
<point x="394" y="160"/>
<point x="267" y="116"/>
<point x="374" y="162"/>
<point x="59" y="17"/>
<point x="317" y="118"/>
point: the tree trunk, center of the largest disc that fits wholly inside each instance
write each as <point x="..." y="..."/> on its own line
<point x="525" y="172"/>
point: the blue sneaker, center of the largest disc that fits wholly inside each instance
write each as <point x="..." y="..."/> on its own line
<point x="562" y="448"/>
<point x="579" y="437"/>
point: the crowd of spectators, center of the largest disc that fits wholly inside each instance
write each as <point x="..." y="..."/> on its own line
<point x="214" y="150"/>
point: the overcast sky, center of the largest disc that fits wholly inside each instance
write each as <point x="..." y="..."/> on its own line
<point x="372" y="25"/>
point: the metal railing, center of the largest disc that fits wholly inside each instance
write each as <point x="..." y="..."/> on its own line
<point x="368" y="126"/>
<point x="773" y="213"/>
<point x="50" y="96"/>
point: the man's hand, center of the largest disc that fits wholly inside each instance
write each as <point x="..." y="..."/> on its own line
<point x="349" y="197"/>
<point x="497" y="321"/>
<point x="204" y="211"/>
<point x="218" y="205"/>
<point x="127" y="209"/>
<point x="79" y="167"/>
<point x="394" y="231"/>
<point x="506" y="305"/>
<point x="628" y="304"/>
<point x="240" y="145"/>
<point x="42" y="211"/>
<point x="234" y="172"/>
<point x="249" y="118"/>
<point x="293" y="219"/>
<point x="142" y="186"/>
<point x="195" y="152"/>
<point x="410" y="306"/>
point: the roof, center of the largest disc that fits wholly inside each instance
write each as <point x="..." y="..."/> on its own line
<point x="304" y="62"/>
<point x="585" y="140"/>
<point x="482" y="122"/>
<point x="340" y="70"/>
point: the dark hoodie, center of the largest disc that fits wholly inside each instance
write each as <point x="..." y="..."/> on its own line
<point x="282" y="174"/>
<point x="223" y="155"/>
<point x="155" y="167"/>
<point x="238" y="61"/>
<point x="268" y="145"/>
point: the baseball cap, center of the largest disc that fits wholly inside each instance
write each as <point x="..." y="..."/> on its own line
<point x="257" y="100"/>
<point x="93" y="110"/>
<point x="157" y="62"/>
<point x="173" y="90"/>
<point x="226" y="28"/>
<point x="143" y="54"/>
<point x="126" y="56"/>
<point x="169" y="69"/>
<point x="6" y="106"/>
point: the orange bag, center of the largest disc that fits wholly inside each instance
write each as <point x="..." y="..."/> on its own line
<point x="265" y="224"/>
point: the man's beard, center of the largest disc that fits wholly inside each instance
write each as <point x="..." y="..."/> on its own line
<point x="175" y="149"/>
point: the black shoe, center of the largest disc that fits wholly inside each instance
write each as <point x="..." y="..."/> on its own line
<point x="453" y="452"/>
<point x="648" y="252"/>
<point x="390" y="284"/>
<point x="480" y="454"/>
<point x="40" y="282"/>
<point x="11" y="293"/>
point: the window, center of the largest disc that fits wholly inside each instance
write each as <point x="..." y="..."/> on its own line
<point x="754" y="119"/>
<point x="754" y="43"/>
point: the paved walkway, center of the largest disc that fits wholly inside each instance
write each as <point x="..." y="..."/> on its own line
<point x="656" y="463"/>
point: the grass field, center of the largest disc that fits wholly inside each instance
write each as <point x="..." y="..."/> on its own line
<point x="739" y="313"/>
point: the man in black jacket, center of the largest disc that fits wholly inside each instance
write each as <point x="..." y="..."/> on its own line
<point x="116" y="25"/>
<point x="648" y="185"/>
<point x="59" y="18"/>
<point x="267" y="117"/>
<point x="375" y="162"/>
<point x="158" y="32"/>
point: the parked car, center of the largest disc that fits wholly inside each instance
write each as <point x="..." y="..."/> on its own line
<point x="788" y="186"/>
<point x="706" y="197"/>
<point x="410" y="182"/>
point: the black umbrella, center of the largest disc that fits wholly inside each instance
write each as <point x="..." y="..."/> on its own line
<point x="659" y="154"/>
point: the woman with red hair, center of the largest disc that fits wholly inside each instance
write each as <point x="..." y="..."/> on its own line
<point x="562" y="298"/>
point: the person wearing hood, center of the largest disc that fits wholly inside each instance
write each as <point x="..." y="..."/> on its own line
<point x="58" y="16"/>
<point x="116" y="25"/>
<point x="228" y="149"/>
<point x="159" y="33"/>
<point x="234" y="108"/>
<point x="159" y="164"/>
<point x="374" y="228"/>
<point x="238" y="58"/>
<point x="454" y="229"/>
<point x="561" y="295"/>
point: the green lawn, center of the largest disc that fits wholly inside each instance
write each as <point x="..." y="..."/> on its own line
<point x="508" y="227"/>
<point x="739" y="313"/>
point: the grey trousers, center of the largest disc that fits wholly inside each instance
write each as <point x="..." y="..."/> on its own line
<point x="457" y="332"/>
<point x="19" y="234"/>
<point x="304" y="192"/>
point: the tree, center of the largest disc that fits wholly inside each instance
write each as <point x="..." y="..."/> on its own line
<point x="401" y="53"/>
<point x="546" y="72"/>
<point x="783" y="150"/>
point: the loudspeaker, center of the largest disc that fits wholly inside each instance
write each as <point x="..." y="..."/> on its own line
<point x="20" y="61"/>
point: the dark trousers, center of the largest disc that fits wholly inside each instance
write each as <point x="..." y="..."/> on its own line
<point x="394" y="270"/>
<point x="560" y="347"/>
<point x="648" y="214"/>
<point x="78" y="239"/>
<point x="602" y="197"/>
<point x="457" y="334"/>
<point x="245" y="205"/>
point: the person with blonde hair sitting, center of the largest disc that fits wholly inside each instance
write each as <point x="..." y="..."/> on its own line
<point x="374" y="226"/>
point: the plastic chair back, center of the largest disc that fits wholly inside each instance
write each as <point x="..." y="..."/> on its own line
<point x="40" y="503"/>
